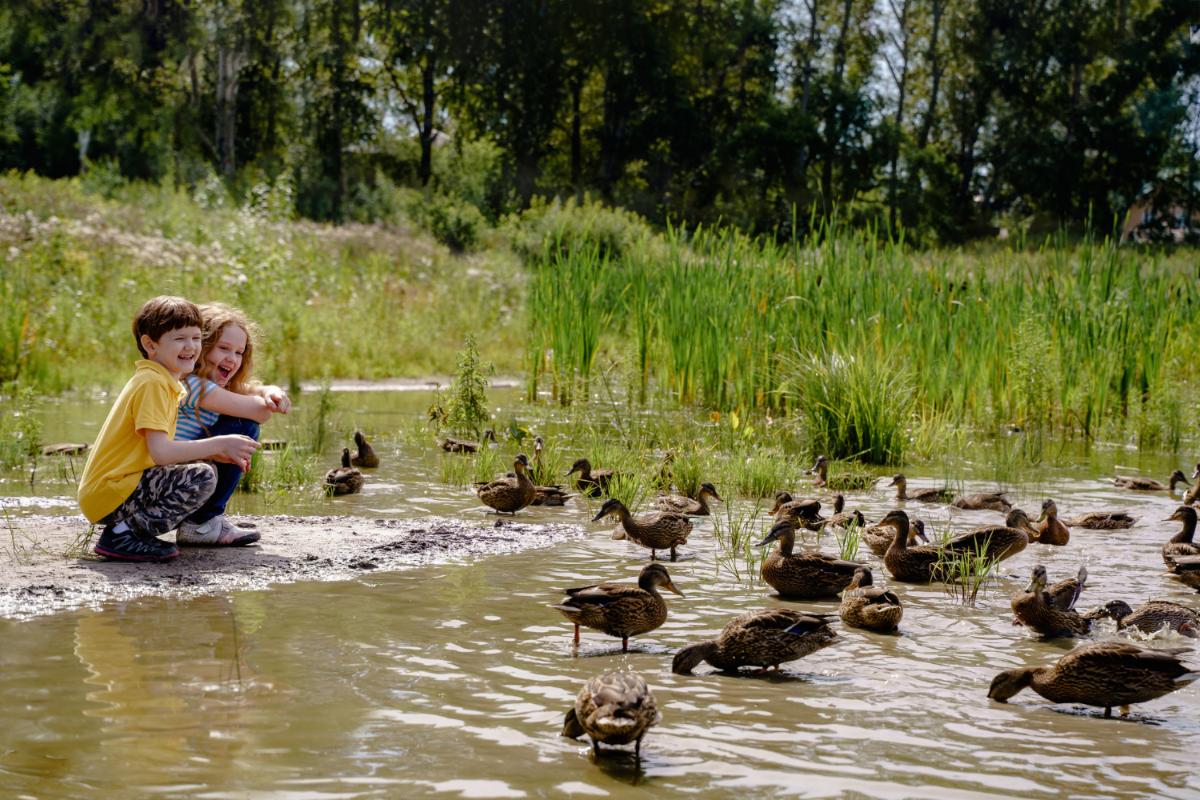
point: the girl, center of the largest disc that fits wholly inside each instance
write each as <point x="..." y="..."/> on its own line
<point x="222" y="399"/>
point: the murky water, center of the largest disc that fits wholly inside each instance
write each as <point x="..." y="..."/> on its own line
<point x="452" y="680"/>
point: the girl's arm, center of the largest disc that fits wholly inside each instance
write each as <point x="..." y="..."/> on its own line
<point x="276" y="398"/>
<point x="246" y="406"/>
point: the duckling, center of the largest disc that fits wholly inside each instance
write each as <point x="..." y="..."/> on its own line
<point x="764" y="639"/>
<point x="1102" y="520"/>
<point x="619" y="609"/>
<point x="1151" y="616"/>
<point x="1187" y="570"/>
<point x="869" y="607"/>
<point x="509" y="494"/>
<point x="614" y="708"/>
<point x="592" y="482"/>
<point x="984" y="501"/>
<point x="344" y="479"/>
<point x="1181" y="544"/>
<point x="920" y="495"/>
<point x="1050" y="529"/>
<point x="802" y="512"/>
<point x="1035" y="609"/>
<point x="686" y="505"/>
<point x="451" y="445"/>
<point x="658" y="530"/>
<point x="1149" y="484"/>
<point x="366" y="457"/>
<point x="879" y="537"/>
<point x="1102" y="674"/>
<point x="802" y="575"/>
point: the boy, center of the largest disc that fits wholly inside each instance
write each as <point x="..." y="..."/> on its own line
<point x="137" y="481"/>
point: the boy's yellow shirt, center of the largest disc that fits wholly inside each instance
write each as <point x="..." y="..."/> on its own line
<point x="149" y="401"/>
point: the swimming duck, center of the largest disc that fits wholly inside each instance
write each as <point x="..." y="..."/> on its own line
<point x="999" y="541"/>
<point x="686" y="505"/>
<point x="451" y="445"/>
<point x="1149" y="484"/>
<point x="920" y="495"/>
<point x="366" y="457"/>
<point x="509" y="494"/>
<point x="801" y="512"/>
<point x="1192" y="494"/>
<point x="1187" y="570"/>
<point x="614" y="708"/>
<point x="1151" y="616"/>
<point x="1181" y="544"/>
<point x="840" y="518"/>
<point x="592" y="482"/>
<point x="879" y="537"/>
<point x="658" y="530"/>
<point x="344" y="479"/>
<point x="620" y="609"/>
<point x="821" y="470"/>
<point x="1102" y="521"/>
<point x="869" y="607"/>
<point x="918" y="564"/>
<point x="1102" y="674"/>
<point x="1035" y="609"/>
<point x="546" y="494"/>
<point x="1050" y="529"/>
<point x="764" y="639"/>
<point x="802" y="575"/>
<point x="983" y="501"/>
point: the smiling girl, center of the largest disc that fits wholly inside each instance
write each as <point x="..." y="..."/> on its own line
<point x="222" y="399"/>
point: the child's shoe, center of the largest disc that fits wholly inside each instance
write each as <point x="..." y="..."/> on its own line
<point x="128" y="545"/>
<point x="217" y="532"/>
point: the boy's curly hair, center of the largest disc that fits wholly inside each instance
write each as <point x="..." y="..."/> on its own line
<point x="161" y="314"/>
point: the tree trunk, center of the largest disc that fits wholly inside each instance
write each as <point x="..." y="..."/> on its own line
<point x="577" y="135"/>
<point x="428" y="98"/>
<point x="938" y="7"/>
<point x="833" y="128"/>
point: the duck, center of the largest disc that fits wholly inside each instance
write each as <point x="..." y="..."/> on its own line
<point x="1151" y="616"/>
<point x="1187" y="570"/>
<point x="592" y="482"/>
<point x="879" y="537"/>
<point x="1193" y="493"/>
<point x="509" y="494"/>
<point x="614" y="708"/>
<point x="1050" y="529"/>
<point x="1035" y="608"/>
<point x="1064" y="594"/>
<point x="999" y="541"/>
<point x="765" y="638"/>
<point x="918" y="564"/>
<point x="619" y="609"/>
<point x="658" y="530"/>
<point x="366" y="457"/>
<point x="840" y="517"/>
<point x="869" y="607"/>
<point x="821" y="470"/>
<point x="802" y="575"/>
<point x="1149" y="484"/>
<point x="1101" y="674"/>
<point x="451" y="445"/>
<point x="983" y="501"/>
<point x="1102" y="521"/>
<point x="1181" y="544"/>
<point x="344" y="479"/>
<point x="943" y="495"/>
<point x="801" y="512"/>
<point x="682" y="504"/>
<point x="547" y="494"/>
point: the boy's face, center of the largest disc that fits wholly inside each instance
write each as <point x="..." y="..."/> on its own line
<point x="175" y="350"/>
<point x="225" y="357"/>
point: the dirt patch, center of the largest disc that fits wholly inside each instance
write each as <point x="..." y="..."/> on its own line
<point x="46" y="567"/>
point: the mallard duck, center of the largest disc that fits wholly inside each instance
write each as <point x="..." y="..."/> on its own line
<point x="918" y="564"/>
<point x="451" y="445"/>
<point x="1193" y="493"/>
<point x="366" y="457"/>
<point x="1103" y="674"/>
<point x="983" y="501"/>
<point x="998" y="541"/>
<point x="546" y="494"/>
<point x="1187" y="570"/>
<point x="802" y="575"/>
<point x="1036" y="609"/>
<point x="686" y="505"/>
<point x="920" y="495"/>
<point x="619" y="609"/>
<point x="764" y="639"/>
<point x="658" y="530"/>
<point x="1102" y="521"/>
<point x="869" y="607"/>
<point x="66" y="449"/>
<point x="1181" y="544"/>
<point x="840" y="518"/>
<point x="821" y="470"/>
<point x="879" y="537"/>
<point x="509" y="494"/>
<point x="1064" y="594"/>
<point x="592" y="482"/>
<point x="344" y="479"/>
<point x="802" y="512"/>
<point x="1151" y="616"/>
<point x="1050" y="529"/>
<point x="614" y="708"/>
<point x="1149" y="484"/>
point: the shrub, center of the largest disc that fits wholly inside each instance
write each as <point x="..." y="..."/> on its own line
<point x="466" y="408"/>
<point x="453" y="222"/>
<point x="571" y="226"/>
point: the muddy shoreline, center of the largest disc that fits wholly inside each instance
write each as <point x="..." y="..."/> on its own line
<point x="44" y="570"/>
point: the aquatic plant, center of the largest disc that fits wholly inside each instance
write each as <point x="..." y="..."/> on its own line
<point x="466" y="403"/>
<point x="964" y="572"/>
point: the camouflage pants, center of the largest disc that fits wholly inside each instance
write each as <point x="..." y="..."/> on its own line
<point x="165" y="496"/>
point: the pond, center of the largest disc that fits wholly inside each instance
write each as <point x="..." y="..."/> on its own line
<point x="452" y="679"/>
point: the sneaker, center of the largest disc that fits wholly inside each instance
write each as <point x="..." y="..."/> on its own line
<point x="128" y="545"/>
<point x="217" y="532"/>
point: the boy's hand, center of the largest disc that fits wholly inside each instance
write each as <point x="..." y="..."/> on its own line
<point x="235" y="449"/>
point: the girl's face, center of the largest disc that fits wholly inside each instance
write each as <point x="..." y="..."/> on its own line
<point x="225" y="358"/>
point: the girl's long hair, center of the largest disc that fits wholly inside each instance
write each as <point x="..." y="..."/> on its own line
<point x="217" y="316"/>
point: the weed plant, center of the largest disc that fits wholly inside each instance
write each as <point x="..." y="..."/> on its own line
<point x="466" y="404"/>
<point x="964" y="573"/>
